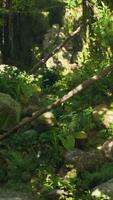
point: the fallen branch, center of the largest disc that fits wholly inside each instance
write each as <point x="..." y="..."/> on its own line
<point x="85" y="84"/>
<point x="43" y="60"/>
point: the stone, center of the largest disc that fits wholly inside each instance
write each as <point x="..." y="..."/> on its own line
<point x="10" y="111"/>
<point x="103" y="115"/>
<point x="107" y="149"/>
<point x="62" y="59"/>
<point x="57" y="194"/>
<point x="104" y="190"/>
<point x="84" y="160"/>
<point x="14" y="196"/>
<point x="44" y="122"/>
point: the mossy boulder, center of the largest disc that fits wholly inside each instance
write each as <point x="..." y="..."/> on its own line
<point x="61" y="60"/>
<point x="103" y="191"/>
<point x="10" y="111"/>
<point x="44" y="122"/>
<point x="83" y="160"/>
<point x="103" y="115"/>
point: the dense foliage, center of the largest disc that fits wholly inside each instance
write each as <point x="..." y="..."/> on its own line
<point x="33" y="156"/>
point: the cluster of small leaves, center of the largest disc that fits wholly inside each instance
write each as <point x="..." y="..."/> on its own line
<point x="47" y="182"/>
<point x="103" y="30"/>
<point x="20" y="166"/>
<point x="74" y="126"/>
<point x="22" y="4"/>
<point x="72" y="3"/>
<point x="19" y="85"/>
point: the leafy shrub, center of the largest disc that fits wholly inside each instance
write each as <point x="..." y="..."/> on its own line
<point x="20" y="166"/>
<point x="24" y="140"/>
<point x="91" y="179"/>
<point x="75" y="126"/>
<point x="103" y="26"/>
<point x="19" y="85"/>
<point x="48" y="181"/>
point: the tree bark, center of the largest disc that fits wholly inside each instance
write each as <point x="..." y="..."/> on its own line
<point x="85" y="84"/>
<point x="84" y="17"/>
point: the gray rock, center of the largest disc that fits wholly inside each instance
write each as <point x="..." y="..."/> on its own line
<point x="14" y="196"/>
<point x="84" y="160"/>
<point x="103" y="115"/>
<point x="10" y="111"/>
<point x="107" y="149"/>
<point x="104" y="190"/>
<point x="61" y="60"/>
<point x="56" y="194"/>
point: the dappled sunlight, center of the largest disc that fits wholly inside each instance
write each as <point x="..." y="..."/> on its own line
<point x="56" y="100"/>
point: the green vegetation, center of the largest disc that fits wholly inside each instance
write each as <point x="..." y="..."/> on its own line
<point x="33" y="158"/>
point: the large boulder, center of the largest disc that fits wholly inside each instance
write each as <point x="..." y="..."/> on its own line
<point x="84" y="160"/>
<point x="103" y="191"/>
<point x="103" y="115"/>
<point x="62" y="59"/>
<point x="10" y="111"/>
<point x="14" y="196"/>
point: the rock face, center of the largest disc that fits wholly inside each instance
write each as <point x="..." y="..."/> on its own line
<point x="10" y="111"/>
<point x="107" y="149"/>
<point x="103" y="115"/>
<point x="84" y="160"/>
<point x="61" y="60"/>
<point x="14" y="196"/>
<point x="104" y="190"/>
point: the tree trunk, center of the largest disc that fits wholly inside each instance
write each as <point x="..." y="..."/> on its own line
<point x="84" y="17"/>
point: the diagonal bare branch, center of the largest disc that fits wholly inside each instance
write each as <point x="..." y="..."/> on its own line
<point x="43" y="60"/>
<point x="85" y="84"/>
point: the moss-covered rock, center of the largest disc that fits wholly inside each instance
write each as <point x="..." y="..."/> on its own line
<point x="103" y="191"/>
<point x="10" y="111"/>
<point x="61" y="61"/>
<point x="83" y="160"/>
<point x="103" y="115"/>
<point x="44" y="122"/>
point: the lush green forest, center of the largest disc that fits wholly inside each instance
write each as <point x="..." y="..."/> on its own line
<point x="56" y="99"/>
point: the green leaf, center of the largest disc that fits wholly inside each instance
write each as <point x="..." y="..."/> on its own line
<point x="68" y="141"/>
<point x="81" y="135"/>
